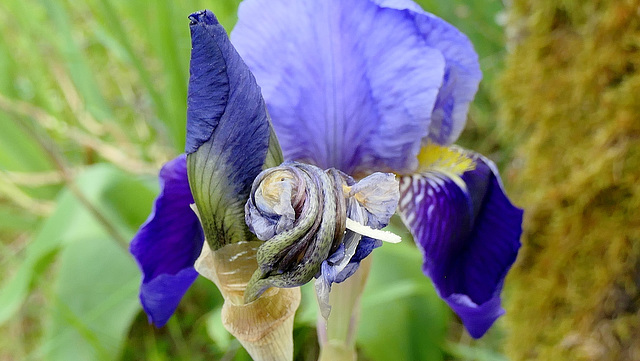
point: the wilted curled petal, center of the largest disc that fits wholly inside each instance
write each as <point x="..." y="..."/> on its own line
<point x="301" y="212"/>
<point x="378" y="194"/>
<point x="292" y="256"/>
<point x="468" y="231"/>
<point x="320" y="202"/>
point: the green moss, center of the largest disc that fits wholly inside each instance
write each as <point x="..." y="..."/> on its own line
<point x="571" y="99"/>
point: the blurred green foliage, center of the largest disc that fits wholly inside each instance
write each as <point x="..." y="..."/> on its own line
<point x="92" y="102"/>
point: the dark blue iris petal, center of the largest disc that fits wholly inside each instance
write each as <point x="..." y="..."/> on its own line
<point x="476" y="318"/>
<point x="161" y="295"/>
<point x="227" y="131"/>
<point x="365" y="247"/>
<point x="167" y="244"/>
<point x="221" y="85"/>
<point x="208" y="85"/>
<point x="469" y="237"/>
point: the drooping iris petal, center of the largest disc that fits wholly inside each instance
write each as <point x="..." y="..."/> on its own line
<point x="468" y="231"/>
<point x="365" y="247"/>
<point x="372" y="202"/>
<point x="375" y="201"/>
<point x="167" y="245"/>
<point x="228" y="132"/>
<point x="462" y="71"/>
<point x="378" y="196"/>
<point x="349" y="84"/>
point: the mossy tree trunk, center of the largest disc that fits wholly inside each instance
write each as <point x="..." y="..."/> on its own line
<point x="570" y="98"/>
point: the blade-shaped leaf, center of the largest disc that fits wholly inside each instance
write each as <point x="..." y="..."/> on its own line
<point x="95" y="301"/>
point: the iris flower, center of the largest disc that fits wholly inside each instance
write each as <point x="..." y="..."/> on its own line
<point x="362" y="86"/>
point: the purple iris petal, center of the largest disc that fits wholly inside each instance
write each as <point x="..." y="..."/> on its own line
<point x="365" y="247"/>
<point x="167" y="244"/>
<point x="227" y="131"/>
<point x="160" y="297"/>
<point x="222" y="91"/>
<point x="462" y="71"/>
<point x="372" y="202"/>
<point x="469" y="237"/>
<point x="333" y="269"/>
<point x="349" y="84"/>
<point x="380" y="190"/>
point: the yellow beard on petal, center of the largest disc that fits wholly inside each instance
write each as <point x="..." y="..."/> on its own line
<point x="444" y="159"/>
<point x="450" y="161"/>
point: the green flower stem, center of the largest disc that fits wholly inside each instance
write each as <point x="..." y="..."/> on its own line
<point x="338" y="334"/>
<point x="336" y="351"/>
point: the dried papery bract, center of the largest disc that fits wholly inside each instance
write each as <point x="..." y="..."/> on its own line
<point x="313" y="222"/>
<point x="264" y="327"/>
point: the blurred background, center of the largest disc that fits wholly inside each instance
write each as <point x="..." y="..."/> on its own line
<point x="93" y="101"/>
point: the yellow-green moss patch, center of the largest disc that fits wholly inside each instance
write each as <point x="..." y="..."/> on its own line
<point x="570" y="97"/>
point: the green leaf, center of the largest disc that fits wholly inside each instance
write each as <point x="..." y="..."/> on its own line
<point x="95" y="301"/>
<point x="402" y="317"/>
<point x="216" y="330"/>
<point x="472" y="353"/>
<point x="95" y="290"/>
<point x="307" y="313"/>
<point x="56" y="231"/>
<point x="18" y="151"/>
<point x="76" y="61"/>
<point x="94" y="295"/>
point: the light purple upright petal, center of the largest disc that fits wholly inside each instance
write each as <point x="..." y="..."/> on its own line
<point x="167" y="245"/>
<point x="348" y="83"/>
<point x="462" y="71"/>
<point x="469" y="236"/>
